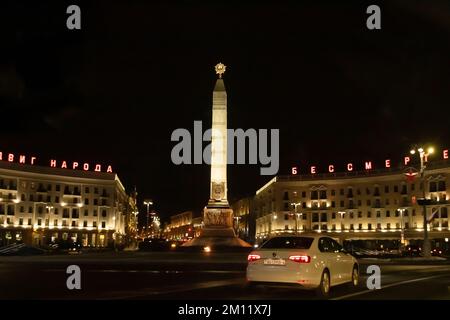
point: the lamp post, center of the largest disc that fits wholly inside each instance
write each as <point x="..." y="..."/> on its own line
<point x="148" y="203"/>
<point x="402" y="229"/>
<point x="341" y="213"/>
<point x="426" y="250"/>
<point x="296" y="204"/>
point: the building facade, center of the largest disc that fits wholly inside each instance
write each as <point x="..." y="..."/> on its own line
<point x="244" y="219"/>
<point x="183" y="226"/>
<point x="43" y="205"/>
<point x="356" y="205"/>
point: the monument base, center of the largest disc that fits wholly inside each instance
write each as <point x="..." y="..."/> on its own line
<point x="218" y="231"/>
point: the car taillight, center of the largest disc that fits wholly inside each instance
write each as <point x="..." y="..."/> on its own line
<point x="300" y="259"/>
<point x="253" y="257"/>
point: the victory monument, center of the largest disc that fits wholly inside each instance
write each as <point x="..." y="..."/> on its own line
<point x="217" y="215"/>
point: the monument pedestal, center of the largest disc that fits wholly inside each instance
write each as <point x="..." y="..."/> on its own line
<point x="218" y="230"/>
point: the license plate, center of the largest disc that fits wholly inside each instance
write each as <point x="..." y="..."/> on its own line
<point x="276" y="262"/>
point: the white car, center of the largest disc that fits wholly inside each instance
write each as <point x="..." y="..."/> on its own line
<point x="310" y="261"/>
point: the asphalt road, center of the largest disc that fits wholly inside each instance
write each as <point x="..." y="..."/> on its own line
<point x="202" y="276"/>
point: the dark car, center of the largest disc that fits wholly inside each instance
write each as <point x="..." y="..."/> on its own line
<point x="412" y="251"/>
<point x="155" y="245"/>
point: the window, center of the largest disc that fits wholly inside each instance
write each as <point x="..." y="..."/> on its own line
<point x="288" y="243"/>
<point x="103" y="213"/>
<point x="11" y="210"/>
<point x="30" y="209"/>
<point x="96" y="190"/>
<point x="444" y="212"/>
<point x="359" y="214"/>
<point x="85" y="223"/>
<point x="396" y="188"/>
<point x="441" y="186"/>
<point x="56" y="211"/>
<point x="103" y="224"/>
<point x="333" y="192"/>
<point x="323" y="194"/>
<point x="323" y="217"/>
<point x="56" y="199"/>
<point x="333" y="215"/>
<point x="31" y="197"/>
<point x="49" y="187"/>
<point x="2" y="209"/>
<point x="351" y="227"/>
<point x="333" y="204"/>
<point x="74" y="224"/>
<point x="29" y="221"/>
<point x="22" y="209"/>
<point x="21" y="222"/>
<point x="94" y="224"/>
<point x="314" y="195"/>
<point x="379" y="226"/>
<point x="286" y="195"/>
<point x="388" y="213"/>
<point x="66" y="213"/>
<point x="286" y="217"/>
<point x="378" y="214"/>
<point x="22" y="197"/>
<point x="359" y="203"/>
<point x="95" y="213"/>
<point x="86" y="201"/>
<point x="39" y="222"/>
<point x="86" y="190"/>
<point x="95" y="202"/>
<point x="360" y="226"/>
<point x="342" y="203"/>
<point x="386" y="189"/>
<point x="55" y="222"/>
<point x="369" y="214"/>
<point x="86" y="213"/>
<point x="341" y="192"/>
<point x="351" y="215"/>
<point x="367" y="191"/>
<point x="58" y="187"/>
<point x="413" y="186"/>
<point x="304" y="194"/>
<point x="286" y="227"/>
<point x="75" y="214"/>
<point x="388" y="226"/>
<point x="350" y="193"/>
<point x="369" y="203"/>
<point x="315" y="217"/>
<point x="387" y="201"/>
<point x="369" y="226"/>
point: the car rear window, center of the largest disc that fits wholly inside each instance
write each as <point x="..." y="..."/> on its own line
<point x="288" y="243"/>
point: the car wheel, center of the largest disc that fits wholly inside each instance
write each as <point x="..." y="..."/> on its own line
<point x="323" y="290"/>
<point x="355" y="277"/>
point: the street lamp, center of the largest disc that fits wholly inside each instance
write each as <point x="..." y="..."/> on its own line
<point x="426" y="250"/>
<point x="297" y="215"/>
<point x="148" y="203"/>
<point x="342" y="213"/>
<point x="402" y="229"/>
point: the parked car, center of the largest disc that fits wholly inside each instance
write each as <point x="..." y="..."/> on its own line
<point x="310" y="262"/>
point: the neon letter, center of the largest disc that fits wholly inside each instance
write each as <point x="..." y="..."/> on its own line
<point x="350" y="167"/>
<point x="387" y="163"/>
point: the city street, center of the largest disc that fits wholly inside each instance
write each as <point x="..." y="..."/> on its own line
<point x="176" y="275"/>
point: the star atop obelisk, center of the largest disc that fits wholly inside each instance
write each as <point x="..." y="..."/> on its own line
<point x="220" y="69"/>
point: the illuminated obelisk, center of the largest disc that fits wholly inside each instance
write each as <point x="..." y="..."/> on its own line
<point x="217" y="215"/>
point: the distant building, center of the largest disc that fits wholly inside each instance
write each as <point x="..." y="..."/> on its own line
<point x="244" y="218"/>
<point x="356" y="205"/>
<point x="44" y="205"/>
<point x="183" y="226"/>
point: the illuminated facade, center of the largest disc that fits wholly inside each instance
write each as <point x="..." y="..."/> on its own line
<point x="183" y="226"/>
<point x="357" y="205"/>
<point x="45" y="205"/>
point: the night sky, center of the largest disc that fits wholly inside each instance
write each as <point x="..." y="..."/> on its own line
<point x="114" y="91"/>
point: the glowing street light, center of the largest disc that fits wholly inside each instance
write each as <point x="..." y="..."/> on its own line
<point x="423" y="158"/>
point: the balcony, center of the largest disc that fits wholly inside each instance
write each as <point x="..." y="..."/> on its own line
<point x="9" y="187"/>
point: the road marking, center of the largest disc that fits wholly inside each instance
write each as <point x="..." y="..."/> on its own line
<point x="152" y="292"/>
<point x="385" y="287"/>
<point x="154" y="271"/>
